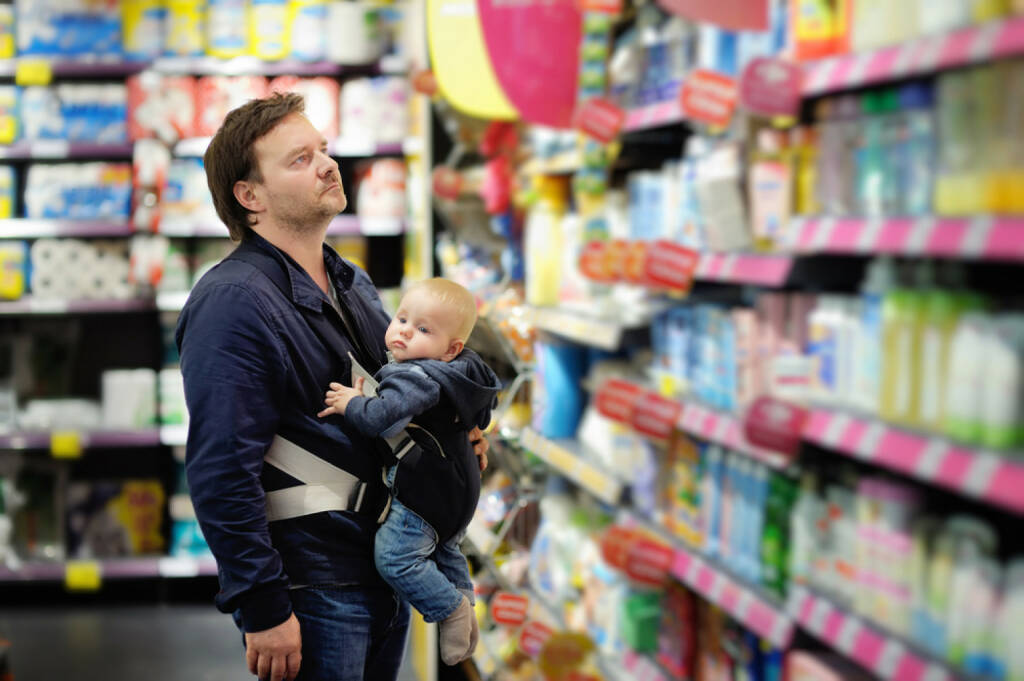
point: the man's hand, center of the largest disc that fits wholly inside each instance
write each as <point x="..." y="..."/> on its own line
<point x="480" y="446"/>
<point x="275" y="654"/>
<point x="339" y="396"/>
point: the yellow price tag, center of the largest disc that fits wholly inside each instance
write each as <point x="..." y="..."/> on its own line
<point x="82" y="575"/>
<point x="66" y="444"/>
<point x="33" y="72"/>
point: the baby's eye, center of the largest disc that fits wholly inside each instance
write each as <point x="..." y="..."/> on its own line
<point x="424" y="329"/>
<point x="401" y="320"/>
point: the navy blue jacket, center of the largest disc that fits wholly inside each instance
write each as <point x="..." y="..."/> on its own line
<point x="254" y="367"/>
<point x="448" y="399"/>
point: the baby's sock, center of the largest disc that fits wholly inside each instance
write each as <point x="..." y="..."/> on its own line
<point x="457" y="641"/>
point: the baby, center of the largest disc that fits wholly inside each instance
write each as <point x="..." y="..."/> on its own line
<point x="439" y="391"/>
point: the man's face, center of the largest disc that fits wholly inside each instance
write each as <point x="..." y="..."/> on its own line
<point x="301" y="185"/>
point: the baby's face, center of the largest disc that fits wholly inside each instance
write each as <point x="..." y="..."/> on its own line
<point x="421" y="329"/>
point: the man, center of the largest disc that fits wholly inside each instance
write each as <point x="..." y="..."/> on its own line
<point x="278" y="319"/>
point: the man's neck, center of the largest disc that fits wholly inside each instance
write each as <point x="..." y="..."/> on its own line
<point x="306" y="249"/>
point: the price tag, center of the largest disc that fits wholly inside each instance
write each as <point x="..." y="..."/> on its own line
<point x="533" y="637"/>
<point x="771" y="87"/>
<point x="33" y="72"/>
<point x="648" y="562"/>
<point x="775" y="425"/>
<point x="49" y="149"/>
<point x="82" y="575"/>
<point x="655" y="416"/>
<point x="66" y="444"/>
<point x="709" y="97"/>
<point x="599" y="118"/>
<point x="670" y="265"/>
<point x="615" y="399"/>
<point x="509" y="609"/>
<point x="633" y="263"/>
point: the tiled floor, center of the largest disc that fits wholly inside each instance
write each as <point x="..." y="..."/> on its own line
<point x="126" y="643"/>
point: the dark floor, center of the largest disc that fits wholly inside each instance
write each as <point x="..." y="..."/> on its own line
<point x="190" y="642"/>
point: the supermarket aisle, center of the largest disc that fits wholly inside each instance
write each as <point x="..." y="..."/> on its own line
<point x="126" y="643"/>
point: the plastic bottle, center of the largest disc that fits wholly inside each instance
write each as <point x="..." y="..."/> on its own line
<point x="867" y="362"/>
<point x="915" y="151"/>
<point x="967" y="353"/>
<point x="877" y="180"/>
<point x="839" y="133"/>
<point x="1002" y="423"/>
<point x="974" y="545"/>
<point x="803" y="524"/>
<point x="269" y="33"/>
<point x="964" y="148"/>
<point x="871" y="25"/>
<point x="1011" y="621"/>
<point x="805" y="159"/>
<point x="988" y="10"/>
<point x="903" y="327"/>
<point x="770" y="188"/>
<point x="543" y="242"/>
<point x="941" y="17"/>
<point x="711" y="499"/>
<point x="227" y="25"/>
<point x="823" y="330"/>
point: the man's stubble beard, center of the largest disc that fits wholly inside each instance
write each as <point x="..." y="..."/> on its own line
<point x="309" y="219"/>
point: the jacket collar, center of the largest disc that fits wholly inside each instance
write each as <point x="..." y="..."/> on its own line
<point x="304" y="290"/>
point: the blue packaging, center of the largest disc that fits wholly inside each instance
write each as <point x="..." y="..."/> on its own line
<point x="558" y="400"/>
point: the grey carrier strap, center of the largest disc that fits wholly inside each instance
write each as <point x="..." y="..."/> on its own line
<point x="325" y="487"/>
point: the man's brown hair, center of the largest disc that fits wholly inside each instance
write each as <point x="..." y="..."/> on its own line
<point x="231" y="155"/>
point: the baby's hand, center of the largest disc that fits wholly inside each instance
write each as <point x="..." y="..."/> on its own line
<point x="338" y="397"/>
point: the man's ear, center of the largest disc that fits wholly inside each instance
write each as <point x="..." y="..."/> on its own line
<point x="454" y="348"/>
<point x="245" y="194"/>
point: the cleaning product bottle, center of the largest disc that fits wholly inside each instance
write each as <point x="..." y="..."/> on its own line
<point x="1011" y="620"/>
<point x="915" y="151"/>
<point x="965" y="396"/>
<point x="770" y="188"/>
<point x="803" y="530"/>
<point x="877" y="181"/>
<point x="1003" y="401"/>
<point x="805" y="159"/>
<point x="942" y="311"/>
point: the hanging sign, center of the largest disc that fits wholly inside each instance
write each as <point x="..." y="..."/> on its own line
<point x="655" y="416"/>
<point x="670" y="265"/>
<point x="599" y="118"/>
<point x="648" y="562"/>
<point x="708" y="97"/>
<point x="533" y="637"/>
<point x="773" y="424"/>
<point x="533" y="46"/>
<point x="614" y="545"/>
<point x="771" y="87"/>
<point x="736" y="15"/>
<point x="509" y="609"/>
<point x="616" y="398"/>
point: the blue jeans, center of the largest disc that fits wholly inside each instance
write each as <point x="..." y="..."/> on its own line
<point x="431" y="576"/>
<point x="350" y="633"/>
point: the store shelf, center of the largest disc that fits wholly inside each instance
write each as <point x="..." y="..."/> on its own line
<point x="744" y="268"/>
<point x="567" y="457"/>
<point x="51" y="306"/>
<point x="114" y="569"/>
<point x="342" y="147"/>
<point x="654" y="115"/>
<point x="725" y="429"/>
<point x="563" y="163"/>
<point x="975" y="238"/>
<point x="149" y="437"/>
<point x="97" y="68"/>
<point x="241" y="66"/>
<point x="605" y="334"/>
<point x="62" y="149"/>
<point x="881" y="653"/>
<point x="28" y="228"/>
<point x="993" y="478"/>
<point x="174" y="435"/>
<point x="916" y="57"/>
<point x="745" y="605"/>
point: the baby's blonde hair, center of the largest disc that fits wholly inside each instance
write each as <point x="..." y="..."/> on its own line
<point x="455" y="296"/>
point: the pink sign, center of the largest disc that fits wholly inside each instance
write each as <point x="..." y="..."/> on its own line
<point x="534" y="47"/>
<point x="600" y="118"/>
<point x="737" y="15"/>
<point x="775" y="425"/>
<point x="771" y="87"/>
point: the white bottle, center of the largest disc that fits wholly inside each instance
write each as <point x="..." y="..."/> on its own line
<point x="803" y="524"/>
<point x="967" y="356"/>
<point x="1008" y="650"/>
<point x="867" y="359"/>
<point x="1003" y="382"/>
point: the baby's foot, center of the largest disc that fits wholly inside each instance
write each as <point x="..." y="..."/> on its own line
<point x="457" y="634"/>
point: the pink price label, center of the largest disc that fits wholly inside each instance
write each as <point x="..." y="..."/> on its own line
<point x="600" y="119"/>
<point x="648" y="562"/>
<point x="775" y="425"/>
<point x="670" y="265"/>
<point x="509" y="609"/>
<point x="655" y="416"/>
<point x="709" y="97"/>
<point x="533" y="637"/>
<point x="616" y="398"/>
<point x="771" y="87"/>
